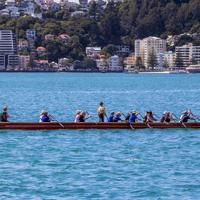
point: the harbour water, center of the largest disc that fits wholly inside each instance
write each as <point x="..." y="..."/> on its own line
<point x="98" y="164"/>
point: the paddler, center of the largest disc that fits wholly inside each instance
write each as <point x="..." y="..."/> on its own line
<point x="167" y="117"/>
<point x="133" y="117"/>
<point x="4" y="115"/>
<point x="77" y="116"/>
<point x="110" y="118"/>
<point x="84" y="116"/>
<point x="117" y="117"/>
<point x="186" y="116"/>
<point x="149" y="117"/>
<point x="101" y="112"/>
<point x="44" y="116"/>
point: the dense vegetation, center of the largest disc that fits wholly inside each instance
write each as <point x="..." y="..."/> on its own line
<point x="118" y="23"/>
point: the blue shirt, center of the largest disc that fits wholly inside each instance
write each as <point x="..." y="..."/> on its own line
<point x="110" y="119"/>
<point x="132" y="118"/>
<point x="45" y="118"/>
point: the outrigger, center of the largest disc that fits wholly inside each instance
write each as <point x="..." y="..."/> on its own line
<point x="95" y="125"/>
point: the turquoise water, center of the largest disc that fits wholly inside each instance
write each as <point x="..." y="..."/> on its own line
<point x="98" y="164"/>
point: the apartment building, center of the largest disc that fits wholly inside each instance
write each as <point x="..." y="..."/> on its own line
<point x="144" y="48"/>
<point x="188" y="54"/>
<point x="8" y="49"/>
<point x="114" y="63"/>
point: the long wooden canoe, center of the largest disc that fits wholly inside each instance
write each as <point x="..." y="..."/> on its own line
<point x="93" y="125"/>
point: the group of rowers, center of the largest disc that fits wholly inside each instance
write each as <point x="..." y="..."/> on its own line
<point x="131" y="117"/>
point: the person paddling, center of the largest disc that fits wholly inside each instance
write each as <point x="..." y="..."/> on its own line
<point x="83" y="116"/>
<point x="111" y="117"/>
<point x="133" y="117"/>
<point x="186" y="116"/>
<point x="4" y="115"/>
<point x="167" y="117"/>
<point x="117" y="117"/>
<point x="77" y="116"/>
<point x="44" y="117"/>
<point x="149" y="117"/>
<point x="101" y="112"/>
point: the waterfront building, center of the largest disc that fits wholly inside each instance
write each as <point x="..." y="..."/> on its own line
<point x="41" y="65"/>
<point x="169" y="57"/>
<point x="114" y="63"/>
<point x="188" y="54"/>
<point x="129" y="62"/>
<point x="8" y="49"/>
<point x="23" y="62"/>
<point x="13" y="62"/>
<point x="22" y="44"/>
<point x="102" y="63"/>
<point x="4" y="12"/>
<point x="10" y="3"/>
<point x="144" y="48"/>
<point x="93" y="52"/>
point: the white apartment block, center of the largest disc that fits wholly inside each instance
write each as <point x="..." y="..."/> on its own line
<point x="7" y="42"/>
<point x="145" y="47"/>
<point x="188" y="53"/>
<point x="7" y="49"/>
<point x="13" y="62"/>
<point x="114" y="63"/>
<point x="10" y="3"/>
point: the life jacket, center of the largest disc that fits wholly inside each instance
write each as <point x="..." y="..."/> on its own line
<point x="81" y="118"/>
<point x="132" y="118"/>
<point x="110" y="119"/>
<point x="45" y="118"/>
<point x="185" y="118"/>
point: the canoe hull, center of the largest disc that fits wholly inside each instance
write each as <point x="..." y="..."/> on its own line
<point x="92" y="125"/>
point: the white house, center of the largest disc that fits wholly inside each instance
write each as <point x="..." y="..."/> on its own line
<point x="114" y="63"/>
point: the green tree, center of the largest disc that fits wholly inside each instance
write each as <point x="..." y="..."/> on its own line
<point x="152" y="60"/>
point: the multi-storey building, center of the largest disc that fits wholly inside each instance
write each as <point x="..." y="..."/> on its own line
<point x="24" y="61"/>
<point x="144" y="48"/>
<point x="188" y="54"/>
<point x="114" y="63"/>
<point x="8" y="49"/>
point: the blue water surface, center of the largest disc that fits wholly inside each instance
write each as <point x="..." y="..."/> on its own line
<point x="98" y="164"/>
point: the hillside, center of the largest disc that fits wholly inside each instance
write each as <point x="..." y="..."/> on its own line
<point x="119" y="23"/>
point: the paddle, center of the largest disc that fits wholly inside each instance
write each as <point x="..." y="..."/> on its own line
<point x="54" y="119"/>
